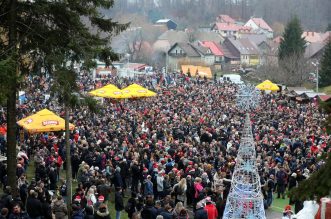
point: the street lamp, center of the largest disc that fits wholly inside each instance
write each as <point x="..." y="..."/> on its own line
<point x="316" y="64"/>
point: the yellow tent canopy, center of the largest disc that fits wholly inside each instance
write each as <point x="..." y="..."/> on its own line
<point x="135" y="91"/>
<point x="202" y="71"/>
<point x="267" y="85"/>
<point x="44" y="121"/>
<point x="108" y="91"/>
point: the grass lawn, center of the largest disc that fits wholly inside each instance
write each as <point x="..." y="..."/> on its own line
<point x="279" y="204"/>
<point x="327" y="90"/>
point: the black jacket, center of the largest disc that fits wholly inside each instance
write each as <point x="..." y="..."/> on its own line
<point x="167" y="215"/>
<point x="200" y="214"/>
<point x="34" y="207"/>
<point x="149" y="212"/>
<point x="119" y="206"/>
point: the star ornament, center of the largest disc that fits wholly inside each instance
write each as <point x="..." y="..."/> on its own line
<point x="248" y="98"/>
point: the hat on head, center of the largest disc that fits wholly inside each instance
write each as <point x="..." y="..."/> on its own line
<point x="288" y="209"/>
<point x="101" y="198"/>
<point x="78" y="198"/>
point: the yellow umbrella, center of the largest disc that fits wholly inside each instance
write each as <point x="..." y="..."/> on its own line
<point x="267" y="85"/>
<point x="135" y="91"/>
<point x="108" y="91"/>
<point x="44" y="121"/>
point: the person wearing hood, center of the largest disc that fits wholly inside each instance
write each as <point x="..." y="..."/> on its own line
<point x="59" y="208"/>
<point x="102" y="212"/>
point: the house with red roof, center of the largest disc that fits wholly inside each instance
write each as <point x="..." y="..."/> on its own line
<point x="312" y="37"/>
<point x="259" y="25"/>
<point x="230" y="29"/>
<point x="215" y="49"/>
<point x="224" y="18"/>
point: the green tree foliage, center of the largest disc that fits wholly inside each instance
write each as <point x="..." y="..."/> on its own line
<point x="316" y="186"/>
<point x="43" y="33"/>
<point x="292" y="42"/>
<point x="325" y="71"/>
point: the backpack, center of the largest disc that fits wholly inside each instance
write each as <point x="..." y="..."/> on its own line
<point x="178" y="190"/>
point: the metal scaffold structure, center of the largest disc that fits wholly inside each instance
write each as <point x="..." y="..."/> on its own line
<point x="245" y="199"/>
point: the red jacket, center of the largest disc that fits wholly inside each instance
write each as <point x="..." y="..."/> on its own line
<point x="211" y="211"/>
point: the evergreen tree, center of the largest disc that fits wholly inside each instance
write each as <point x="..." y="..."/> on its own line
<point x="292" y="42"/>
<point x="55" y="32"/>
<point x="325" y="71"/>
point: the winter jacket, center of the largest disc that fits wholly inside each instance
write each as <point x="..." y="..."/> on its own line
<point x="34" y="207"/>
<point x="22" y="215"/>
<point x="78" y="215"/>
<point x="118" y="182"/>
<point x="211" y="211"/>
<point x="102" y="215"/>
<point x="149" y="212"/>
<point x="119" y="206"/>
<point x="148" y="188"/>
<point x="167" y="215"/>
<point x="200" y="214"/>
<point x="59" y="209"/>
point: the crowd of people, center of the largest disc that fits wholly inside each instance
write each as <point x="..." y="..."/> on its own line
<point x="173" y="154"/>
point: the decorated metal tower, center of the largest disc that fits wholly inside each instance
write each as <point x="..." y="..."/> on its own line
<point x="245" y="199"/>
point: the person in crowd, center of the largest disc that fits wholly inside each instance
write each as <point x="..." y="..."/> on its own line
<point x="148" y="186"/>
<point x="4" y="213"/>
<point x="167" y="213"/>
<point x="119" y="205"/>
<point x="149" y="211"/>
<point x="34" y="206"/>
<point x="281" y="178"/>
<point x="190" y="131"/>
<point x="211" y="209"/>
<point x="132" y="205"/>
<point x="17" y="212"/>
<point x="200" y="212"/>
<point x="59" y="208"/>
<point x="102" y="212"/>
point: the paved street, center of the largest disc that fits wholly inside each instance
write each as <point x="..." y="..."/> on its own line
<point x="273" y="215"/>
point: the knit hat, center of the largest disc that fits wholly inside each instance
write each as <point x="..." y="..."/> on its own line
<point x="101" y="198"/>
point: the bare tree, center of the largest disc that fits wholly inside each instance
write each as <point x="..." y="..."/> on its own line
<point x="293" y="71"/>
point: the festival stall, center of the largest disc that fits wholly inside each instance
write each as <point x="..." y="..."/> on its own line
<point x="44" y="121"/>
<point x="196" y="71"/>
<point x="108" y="91"/>
<point x="267" y="86"/>
<point x="137" y="91"/>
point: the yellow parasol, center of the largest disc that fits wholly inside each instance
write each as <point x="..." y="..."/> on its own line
<point x="108" y="91"/>
<point x="135" y="91"/>
<point x="267" y="85"/>
<point x="44" y="121"/>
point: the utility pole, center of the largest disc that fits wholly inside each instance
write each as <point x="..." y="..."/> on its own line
<point x="316" y="64"/>
<point x="68" y="161"/>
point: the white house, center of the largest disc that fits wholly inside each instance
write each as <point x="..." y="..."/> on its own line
<point x="259" y="26"/>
